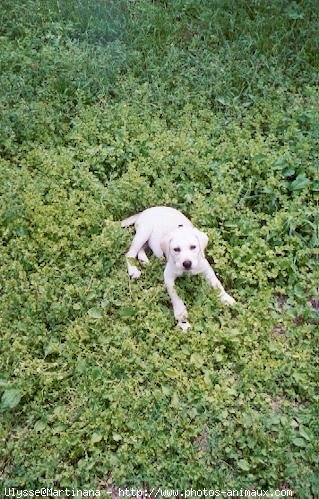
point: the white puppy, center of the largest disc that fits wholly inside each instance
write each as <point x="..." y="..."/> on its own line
<point x="168" y="232"/>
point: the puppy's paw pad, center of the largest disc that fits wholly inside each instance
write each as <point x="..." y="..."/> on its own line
<point x="184" y="325"/>
<point x="134" y="273"/>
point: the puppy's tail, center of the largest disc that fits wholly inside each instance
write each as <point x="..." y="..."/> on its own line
<point x="130" y="220"/>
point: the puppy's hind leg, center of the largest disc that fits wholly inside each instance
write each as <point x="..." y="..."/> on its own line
<point x="142" y="256"/>
<point x="137" y="245"/>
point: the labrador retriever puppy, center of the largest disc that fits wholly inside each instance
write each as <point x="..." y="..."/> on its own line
<point x="168" y="232"/>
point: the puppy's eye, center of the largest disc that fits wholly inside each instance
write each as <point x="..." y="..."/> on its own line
<point x="177" y="250"/>
<point x="193" y="246"/>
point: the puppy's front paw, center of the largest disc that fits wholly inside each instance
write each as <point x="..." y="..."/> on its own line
<point x="180" y="312"/>
<point x="184" y="325"/>
<point x="226" y="298"/>
<point x="134" y="273"/>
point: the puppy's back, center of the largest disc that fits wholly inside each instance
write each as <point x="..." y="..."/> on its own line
<point x="164" y="217"/>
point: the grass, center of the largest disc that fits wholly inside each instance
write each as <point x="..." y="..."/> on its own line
<point x="114" y="106"/>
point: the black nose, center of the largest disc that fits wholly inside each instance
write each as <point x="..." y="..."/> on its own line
<point x="187" y="264"/>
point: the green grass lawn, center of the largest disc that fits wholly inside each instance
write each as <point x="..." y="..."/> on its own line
<point x="110" y="107"/>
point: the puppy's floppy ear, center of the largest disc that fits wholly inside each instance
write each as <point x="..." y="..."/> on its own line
<point x="165" y="242"/>
<point x="202" y="239"/>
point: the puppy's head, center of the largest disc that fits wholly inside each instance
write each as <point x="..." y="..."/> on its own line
<point x="185" y="247"/>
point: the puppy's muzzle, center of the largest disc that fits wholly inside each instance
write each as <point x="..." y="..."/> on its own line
<point x="187" y="264"/>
